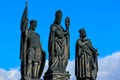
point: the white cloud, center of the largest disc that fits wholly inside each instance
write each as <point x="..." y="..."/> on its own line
<point x="108" y="69"/>
<point x="12" y="74"/>
<point x="71" y="69"/>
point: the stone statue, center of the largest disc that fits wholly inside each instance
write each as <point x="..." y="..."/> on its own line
<point x="58" y="46"/>
<point x="86" y="63"/>
<point x="31" y="53"/>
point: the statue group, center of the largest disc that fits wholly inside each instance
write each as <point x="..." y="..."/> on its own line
<point x="33" y="57"/>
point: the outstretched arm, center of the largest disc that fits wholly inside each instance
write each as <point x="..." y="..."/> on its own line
<point x="89" y="44"/>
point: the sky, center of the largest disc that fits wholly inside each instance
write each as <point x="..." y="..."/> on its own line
<point x="100" y="18"/>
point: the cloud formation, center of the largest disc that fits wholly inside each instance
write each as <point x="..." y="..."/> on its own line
<point x="108" y="69"/>
<point x="12" y="74"/>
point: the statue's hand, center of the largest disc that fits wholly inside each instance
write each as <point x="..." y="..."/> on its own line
<point x="80" y="53"/>
<point x="67" y="23"/>
<point x="24" y="25"/>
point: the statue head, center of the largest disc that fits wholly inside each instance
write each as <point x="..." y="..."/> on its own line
<point x="33" y="24"/>
<point x="58" y="17"/>
<point x="82" y="33"/>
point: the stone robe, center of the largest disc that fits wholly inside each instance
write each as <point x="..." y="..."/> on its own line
<point x="85" y="62"/>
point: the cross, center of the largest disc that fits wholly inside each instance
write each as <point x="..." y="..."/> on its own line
<point x="26" y="2"/>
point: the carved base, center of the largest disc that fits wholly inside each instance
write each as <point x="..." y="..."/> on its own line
<point x="30" y="79"/>
<point x="78" y="78"/>
<point x="57" y="76"/>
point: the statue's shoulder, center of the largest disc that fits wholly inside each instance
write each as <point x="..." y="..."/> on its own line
<point x="79" y="41"/>
<point x="88" y="40"/>
<point x="37" y="34"/>
<point x="53" y="27"/>
<point x="30" y="32"/>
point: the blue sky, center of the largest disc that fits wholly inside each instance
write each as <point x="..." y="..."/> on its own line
<point x="100" y="18"/>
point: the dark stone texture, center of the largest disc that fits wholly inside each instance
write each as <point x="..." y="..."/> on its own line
<point x="57" y="76"/>
<point x="58" y="47"/>
<point x="86" y="63"/>
<point x="31" y="53"/>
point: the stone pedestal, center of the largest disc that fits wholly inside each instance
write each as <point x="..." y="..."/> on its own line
<point x="30" y="79"/>
<point x="57" y="76"/>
